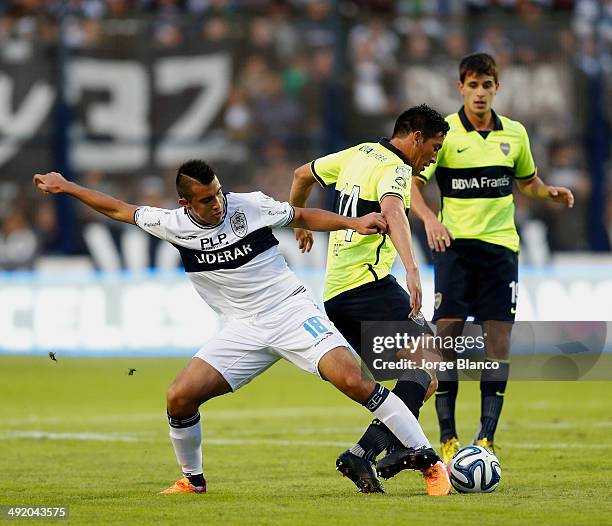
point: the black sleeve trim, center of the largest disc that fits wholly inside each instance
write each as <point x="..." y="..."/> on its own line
<point x="420" y="177"/>
<point x="403" y="198"/>
<point x="319" y="180"/>
<point x="527" y="177"/>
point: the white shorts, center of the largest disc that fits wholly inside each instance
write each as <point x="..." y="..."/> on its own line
<point x="296" y="330"/>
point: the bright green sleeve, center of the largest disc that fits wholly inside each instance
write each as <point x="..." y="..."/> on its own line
<point x="395" y="180"/>
<point x="524" y="166"/>
<point x="427" y="172"/>
<point x="327" y="169"/>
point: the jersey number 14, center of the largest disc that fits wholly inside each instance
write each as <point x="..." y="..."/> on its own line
<point x="347" y="206"/>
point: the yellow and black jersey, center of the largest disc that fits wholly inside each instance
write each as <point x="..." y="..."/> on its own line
<point x="475" y="172"/>
<point x="362" y="176"/>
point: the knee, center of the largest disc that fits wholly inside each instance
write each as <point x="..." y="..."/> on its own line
<point x="179" y="403"/>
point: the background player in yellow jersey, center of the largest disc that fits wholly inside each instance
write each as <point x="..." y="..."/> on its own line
<point x="358" y="285"/>
<point x="475" y="241"/>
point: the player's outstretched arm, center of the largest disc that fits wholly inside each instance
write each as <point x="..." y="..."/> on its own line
<point x="301" y="187"/>
<point x="54" y="183"/>
<point x="438" y="236"/>
<point x="538" y="189"/>
<point x="324" y="221"/>
<point x="399" y="231"/>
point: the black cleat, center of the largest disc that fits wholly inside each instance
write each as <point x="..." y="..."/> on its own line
<point x="405" y="458"/>
<point x="360" y="471"/>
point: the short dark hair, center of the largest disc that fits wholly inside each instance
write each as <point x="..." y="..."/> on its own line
<point x="420" y="118"/>
<point x="478" y="64"/>
<point x="193" y="170"/>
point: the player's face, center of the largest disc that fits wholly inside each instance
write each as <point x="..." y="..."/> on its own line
<point x="478" y="92"/>
<point x="206" y="202"/>
<point x="427" y="151"/>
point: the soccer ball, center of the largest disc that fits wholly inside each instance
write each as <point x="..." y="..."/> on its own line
<point x="474" y="469"/>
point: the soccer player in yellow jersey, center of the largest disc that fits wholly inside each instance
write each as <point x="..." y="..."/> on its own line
<point x="368" y="177"/>
<point x="474" y="237"/>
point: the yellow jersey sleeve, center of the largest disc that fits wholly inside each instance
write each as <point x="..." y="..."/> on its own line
<point x="524" y="166"/>
<point x="327" y="169"/>
<point x="427" y="172"/>
<point x="395" y="180"/>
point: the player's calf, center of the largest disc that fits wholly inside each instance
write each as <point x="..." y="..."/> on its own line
<point x="198" y="382"/>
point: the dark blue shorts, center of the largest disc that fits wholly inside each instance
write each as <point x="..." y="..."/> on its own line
<point x="474" y="278"/>
<point x="382" y="300"/>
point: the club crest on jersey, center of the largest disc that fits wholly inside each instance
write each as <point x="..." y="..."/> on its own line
<point x="438" y="300"/>
<point x="239" y="224"/>
<point x="505" y="147"/>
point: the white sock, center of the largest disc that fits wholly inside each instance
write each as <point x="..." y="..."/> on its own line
<point x="187" y="442"/>
<point x="398" y="418"/>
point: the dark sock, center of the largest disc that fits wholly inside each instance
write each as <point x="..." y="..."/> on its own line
<point x="492" y="389"/>
<point x="446" y="396"/>
<point x="411" y="389"/>
<point x="197" y="480"/>
<point x="374" y="440"/>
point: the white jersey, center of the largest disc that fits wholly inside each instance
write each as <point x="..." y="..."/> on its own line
<point x="235" y="266"/>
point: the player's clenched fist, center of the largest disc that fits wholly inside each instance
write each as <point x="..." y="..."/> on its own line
<point x="50" y="183"/>
<point x="373" y="223"/>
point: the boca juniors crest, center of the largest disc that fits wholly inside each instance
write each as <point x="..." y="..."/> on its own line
<point x="505" y="148"/>
<point x="239" y="224"/>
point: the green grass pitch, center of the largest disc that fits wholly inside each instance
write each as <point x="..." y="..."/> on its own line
<point x="83" y="433"/>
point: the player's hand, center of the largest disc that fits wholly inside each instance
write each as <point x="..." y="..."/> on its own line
<point x="438" y="236"/>
<point x="304" y="239"/>
<point x="50" y="183"/>
<point x="373" y="223"/>
<point x="413" y="281"/>
<point x="562" y="195"/>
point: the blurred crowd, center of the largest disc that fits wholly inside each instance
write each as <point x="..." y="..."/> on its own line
<point x="310" y="77"/>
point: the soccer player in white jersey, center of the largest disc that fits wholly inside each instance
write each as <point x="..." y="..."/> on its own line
<point x="231" y="256"/>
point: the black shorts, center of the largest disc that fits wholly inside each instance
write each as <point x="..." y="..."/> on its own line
<point x="474" y="278"/>
<point x="382" y="300"/>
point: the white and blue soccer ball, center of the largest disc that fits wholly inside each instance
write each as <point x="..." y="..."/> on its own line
<point x="474" y="469"/>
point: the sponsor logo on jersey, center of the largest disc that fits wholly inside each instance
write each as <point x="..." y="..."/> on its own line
<point x="401" y="182"/>
<point x="368" y="150"/>
<point x="214" y="242"/>
<point x="402" y="171"/>
<point x="504" y="147"/>
<point x="238" y="221"/>
<point x="225" y="256"/>
<point x="482" y="182"/>
<point x="461" y="150"/>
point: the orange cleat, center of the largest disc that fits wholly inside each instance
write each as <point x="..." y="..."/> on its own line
<point x="183" y="486"/>
<point x="437" y="480"/>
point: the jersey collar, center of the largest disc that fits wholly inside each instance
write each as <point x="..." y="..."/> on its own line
<point x="470" y="127"/>
<point x="201" y="225"/>
<point x="387" y="144"/>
